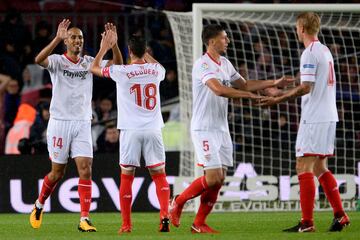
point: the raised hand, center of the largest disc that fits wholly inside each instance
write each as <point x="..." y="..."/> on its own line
<point x="108" y="39"/>
<point x="284" y="81"/>
<point x="112" y="27"/>
<point x="62" y="29"/>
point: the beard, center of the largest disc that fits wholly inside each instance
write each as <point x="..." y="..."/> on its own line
<point x="77" y="50"/>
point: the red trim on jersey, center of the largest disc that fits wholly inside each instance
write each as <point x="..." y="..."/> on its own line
<point x="126" y="165"/>
<point x="106" y="72"/>
<point x="68" y="58"/>
<point x="218" y="63"/>
<point x="200" y="165"/>
<point x="155" y="165"/>
<point x="318" y="155"/>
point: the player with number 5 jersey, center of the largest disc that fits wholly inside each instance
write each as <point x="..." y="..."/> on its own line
<point x="140" y="122"/>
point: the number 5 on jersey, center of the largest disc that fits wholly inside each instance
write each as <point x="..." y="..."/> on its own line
<point x="146" y="97"/>
<point x="206" y="146"/>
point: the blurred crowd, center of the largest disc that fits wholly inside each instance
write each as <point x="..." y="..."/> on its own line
<point x="25" y="88"/>
<point x="262" y="57"/>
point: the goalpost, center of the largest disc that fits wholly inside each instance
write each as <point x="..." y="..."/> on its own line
<point x="264" y="46"/>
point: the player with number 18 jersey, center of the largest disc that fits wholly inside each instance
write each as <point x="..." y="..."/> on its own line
<point x="138" y="101"/>
<point x="138" y="95"/>
<point x="140" y="122"/>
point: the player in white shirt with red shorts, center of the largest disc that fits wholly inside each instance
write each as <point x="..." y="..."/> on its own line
<point x="213" y="78"/>
<point x="140" y="122"/>
<point x="316" y="133"/>
<point x="69" y="128"/>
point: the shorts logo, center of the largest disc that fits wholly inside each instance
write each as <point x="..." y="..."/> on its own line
<point x="298" y="149"/>
<point x="207" y="157"/>
<point x="56" y="154"/>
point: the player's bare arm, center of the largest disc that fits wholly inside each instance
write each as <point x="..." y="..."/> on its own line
<point x="107" y="42"/>
<point x="229" y="92"/>
<point x="303" y="89"/>
<point x="255" y="85"/>
<point x="117" y="57"/>
<point x="61" y="34"/>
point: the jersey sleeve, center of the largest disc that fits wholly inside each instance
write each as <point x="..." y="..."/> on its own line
<point x="234" y="75"/>
<point x="308" y="66"/>
<point x="53" y="62"/>
<point x="204" y="72"/>
<point x="161" y="71"/>
<point x="115" y="72"/>
<point x="91" y="59"/>
<point x="103" y="63"/>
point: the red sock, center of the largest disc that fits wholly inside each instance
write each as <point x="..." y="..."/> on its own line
<point x="197" y="187"/>
<point x="163" y="193"/>
<point x="126" y="198"/>
<point x="84" y="190"/>
<point x="208" y="199"/>
<point x="329" y="185"/>
<point x="46" y="189"/>
<point x="307" y="197"/>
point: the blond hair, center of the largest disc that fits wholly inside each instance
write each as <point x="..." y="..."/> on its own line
<point x="310" y="21"/>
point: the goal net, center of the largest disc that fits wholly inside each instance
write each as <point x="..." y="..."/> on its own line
<point x="263" y="45"/>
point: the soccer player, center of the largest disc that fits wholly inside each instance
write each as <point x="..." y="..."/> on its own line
<point x="69" y="128"/>
<point x="316" y="134"/>
<point x="140" y="122"/>
<point x="212" y="77"/>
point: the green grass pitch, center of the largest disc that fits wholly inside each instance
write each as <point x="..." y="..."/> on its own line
<point x="258" y="226"/>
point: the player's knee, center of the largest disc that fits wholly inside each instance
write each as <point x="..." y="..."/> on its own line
<point x="215" y="181"/>
<point x="85" y="173"/>
<point x="319" y="170"/>
<point x="299" y="168"/>
<point x="56" y="175"/>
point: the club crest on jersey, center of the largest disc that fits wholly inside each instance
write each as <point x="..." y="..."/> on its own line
<point x="204" y="66"/>
<point x="207" y="157"/>
<point x="84" y="65"/>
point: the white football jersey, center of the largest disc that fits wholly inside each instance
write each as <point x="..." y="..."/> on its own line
<point x="138" y="96"/>
<point x="209" y="110"/>
<point x="317" y="65"/>
<point x="72" y="85"/>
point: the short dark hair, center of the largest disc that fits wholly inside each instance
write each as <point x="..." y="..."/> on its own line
<point x="210" y="31"/>
<point x="137" y="45"/>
